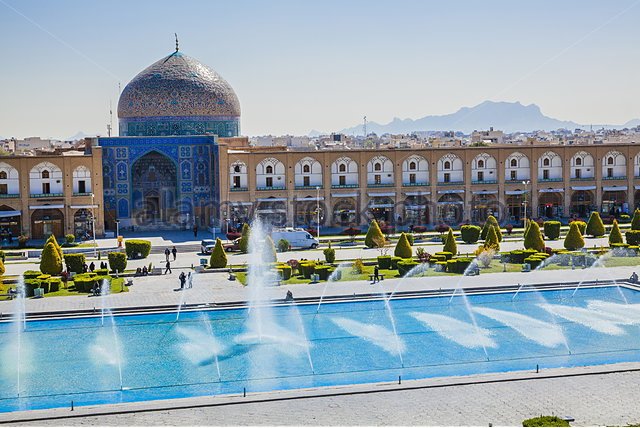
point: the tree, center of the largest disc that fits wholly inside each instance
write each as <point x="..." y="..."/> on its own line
<point x="2" y="268"/>
<point x="403" y="247"/>
<point x="57" y="246"/>
<point x="244" y="239"/>
<point x="374" y="238"/>
<point x="75" y="262"/>
<point x="492" y="243"/>
<point x="218" y="259"/>
<point x="615" y="237"/>
<point x="50" y="261"/>
<point x="595" y="226"/>
<point x="533" y="237"/>
<point x="450" y="243"/>
<point x="574" y="240"/>
<point x="635" y="222"/>
<point x="491" y="221"/>
<point x="269" y="251"/>
<point x="118" y="261"/>
<point x="329" y="254"/>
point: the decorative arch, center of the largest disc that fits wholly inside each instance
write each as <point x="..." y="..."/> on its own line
<point x="450" y="169"/>
<point x="308" y="173"/>
<point x="582" y="165"/>
<point x="380" y="171"/>
<point x="45" y="178"/>
<point x="344" y="173"/>
<point x="270" y="174"/>
<point x="550" y="167"/>
<point x="517" y="167"/>
<point x="614" y="165"/>
<point x="9" y="180"/>
<point x="238" y="176"/>
<point x="483" y="168"/>
<point x="81" y="180"/>
<point x="415" y="171"/>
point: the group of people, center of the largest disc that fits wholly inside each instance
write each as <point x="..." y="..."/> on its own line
<point x="186" y="281"/>
<point x="92" y="266"/>
<point x="168" y="253"/>
<point x="142" y="272"/>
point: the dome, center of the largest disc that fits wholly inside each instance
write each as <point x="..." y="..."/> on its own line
<point x="178" y="95"/>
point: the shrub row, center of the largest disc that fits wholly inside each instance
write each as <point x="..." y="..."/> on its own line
<point x="133" y="247"/>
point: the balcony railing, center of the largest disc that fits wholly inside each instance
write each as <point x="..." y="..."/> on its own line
<point x="81" y="193"/>
<point x="549" y="180"/>
<point x="516" y="180"/>
<point x="271" y="188"/>
<point x="620" y="177"/>
<point x="46" y="195"/>
<point x="238" y="189"/>
<point x="380" y="185"/>
<point x="450" y="183"/>
<point x="345" y="186"/>
<point x="425" y="183"/>
<point x="310" y="187"/>
<point x="484" y="181"/>
<point x="9" y="195"/>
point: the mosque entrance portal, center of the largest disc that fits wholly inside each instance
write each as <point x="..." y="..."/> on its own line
<point x="154" y="180"/>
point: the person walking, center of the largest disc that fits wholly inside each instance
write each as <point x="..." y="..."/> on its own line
<point x="174" y="251"/>
<point x="167" y="252"/>
<point x="168" y="267"/>
<point x="376" y="274"/>
<point x="92" y="267"/>
<point x="183" y="280"/>
<point x="195" y="230"/>
<point x="190" y="280"/>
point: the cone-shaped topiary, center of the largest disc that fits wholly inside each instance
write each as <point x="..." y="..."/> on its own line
<point x="491" y="221"/>
<point x="635" y="222"/>
<point x="595" y="226"/>
<point x="218" y="257"/>
<point x="57" y="246"/>
<point x="492" y="240"/>
<point x="574" y="240"/>
<point x="244" y="239"/>
<point x="50" y="261"/>
<point x="403" y="247"/>
<point x="269" y="251"/>
<point x="533" y="237"/>
<point x="450" y="243"/>
<point x="2" y="268"/>
<point x="615" y="237"/>
<point x="374" y="238"/>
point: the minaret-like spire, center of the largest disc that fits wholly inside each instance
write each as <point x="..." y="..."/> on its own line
<point x="176" y="34"/>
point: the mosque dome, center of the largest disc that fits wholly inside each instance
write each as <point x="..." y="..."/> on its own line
<point x="178" y="95"/>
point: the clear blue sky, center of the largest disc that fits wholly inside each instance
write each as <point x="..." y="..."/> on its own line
<point x="299" y="65"/>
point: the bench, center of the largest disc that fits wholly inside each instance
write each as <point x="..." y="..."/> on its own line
<point x="380" y="276"/>
<point x="9" y="295"/>
<point x="129" y="282"/>
<point x="156" y="271"/>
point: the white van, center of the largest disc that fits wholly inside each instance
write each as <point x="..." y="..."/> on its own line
<point x="298" y="238"/>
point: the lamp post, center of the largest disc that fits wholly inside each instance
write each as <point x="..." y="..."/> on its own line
<point x="93" y="226"/>
<point x="318" y="212"/>
<point x="117" y="228"/>
<point x="526" y="189"/>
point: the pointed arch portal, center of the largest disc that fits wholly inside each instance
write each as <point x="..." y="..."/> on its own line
<point x="155" y="181"/>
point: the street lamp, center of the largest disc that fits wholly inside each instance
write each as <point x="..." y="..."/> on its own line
<point x="318" y="212"/>
<point x="117" y="228"/>
<point x="93" y="226"/>
<point x="526" y="188"/>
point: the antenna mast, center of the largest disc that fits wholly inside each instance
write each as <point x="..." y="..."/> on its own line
<point x="364" y="127"/>
<point x="110" y="124"/>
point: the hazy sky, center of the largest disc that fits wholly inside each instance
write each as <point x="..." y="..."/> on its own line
<point x="302" y="65"/>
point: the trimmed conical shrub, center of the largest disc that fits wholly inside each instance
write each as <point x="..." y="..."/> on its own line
<point x="50" y="261"/>
<point x="269" y="254"/>
<point x="615" y="237"/>
<point x="492" y="240"/>
<point x="595" y="226"/>
<point x="403" y="247"/>
<point x="374" y="238"/>
<point x="244" y="239"/>
<point x="491" y="221"/>
<point x="450" y="243"/>
<point x="533" y="237"/>
<point x="635" y="222"/>
<point x="2" y="268"/>
<point x="218" y="257"/>
<point x="574" y="240"/>
<point x="57" y="246"/>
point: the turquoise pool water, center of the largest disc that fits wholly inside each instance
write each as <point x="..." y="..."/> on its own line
<point x="151" y="357"/>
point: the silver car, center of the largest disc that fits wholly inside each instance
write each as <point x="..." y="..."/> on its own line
<point x="206" y="246"/>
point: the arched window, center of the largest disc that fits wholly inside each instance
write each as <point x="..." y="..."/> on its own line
<point x="514" y="163"/>
<point x="545" y="162"/>
<point x="447" y="165"/>
<point x="45" y="174"/>
<point x="610" y="160"/>
<point x="480" y="163"/>
<point x="3" y="175"/>
<point x="342" y="167"/>
<point x="377" y="166"/>
<point x="412" y="165"/>
<point x="578" y="161"/>
<point x="306" y="169"/>
<point x="269" y="169"/>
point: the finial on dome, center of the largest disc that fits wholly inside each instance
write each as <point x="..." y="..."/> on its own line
<point x="176" y="34"/>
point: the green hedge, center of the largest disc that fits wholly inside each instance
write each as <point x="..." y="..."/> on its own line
<point x="117" y="261"/>
<point x="533" y="261"/>
<point x="133" y="247"/>
<point x="394" y="262"/>
<point x="470" y="233"/>
<point x="405" y="265"/>
<point x="448" y="255"/>
<point x="31" y="274"/>
<point x="545" y="421"/>
<point x="458" y="265"/>
<point x="552" y="229"/>
<point x="323" y="271"/>
<point x="384" y="262"/>
<point x="307" y="268"/>
<point x="633" y="237"/>
<point x="75" y="262"/>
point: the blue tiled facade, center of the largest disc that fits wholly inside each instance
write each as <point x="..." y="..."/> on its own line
<point x="190" y="125"/>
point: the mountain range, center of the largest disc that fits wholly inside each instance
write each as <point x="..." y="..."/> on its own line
<point x="505" y="116"/>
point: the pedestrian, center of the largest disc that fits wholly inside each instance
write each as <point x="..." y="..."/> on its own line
<point x="183" y="279"/>
<point x="195" y="230"/>
<point x="85" y="268"/>
<point x="190" y="280"/>
<point x="376" y="274"/>
<point x="167" y="252"/>
<point x="168" y="267"/>
<point x="92" y="267"/>
<point x="174" y="251"/>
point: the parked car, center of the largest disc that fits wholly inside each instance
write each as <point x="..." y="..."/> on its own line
<point x="232" y="246"/>
<point x="298" y="238"/>
<point x="206" y="246"/>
